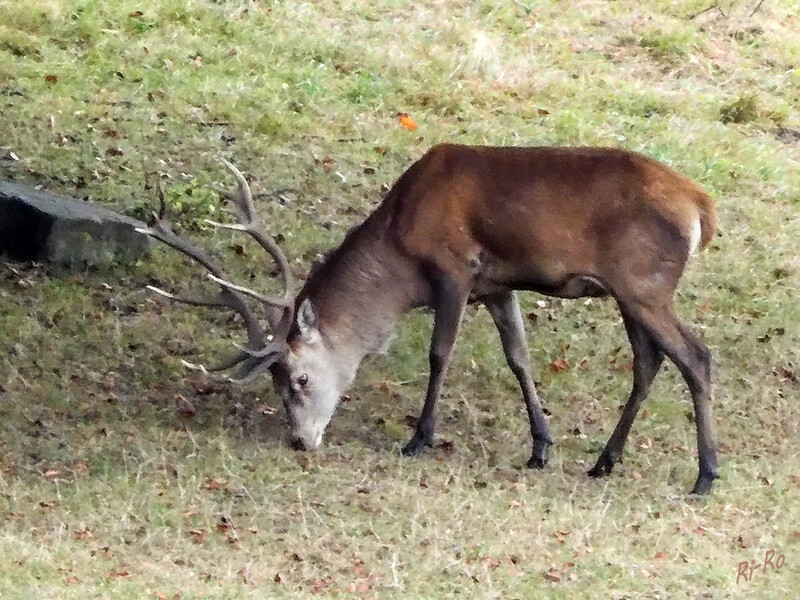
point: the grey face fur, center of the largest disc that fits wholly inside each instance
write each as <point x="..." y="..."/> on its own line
<point x="310" y="381"/>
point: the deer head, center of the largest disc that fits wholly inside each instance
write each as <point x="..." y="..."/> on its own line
<point x="307" y="377"/>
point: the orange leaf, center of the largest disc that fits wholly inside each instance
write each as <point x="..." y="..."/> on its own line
<point x="406" y="121"/>
<point x="559" y="365"/>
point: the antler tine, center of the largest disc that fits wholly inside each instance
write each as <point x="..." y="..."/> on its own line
<point x="255" y="367"/>
<point x="215" y="302"/>
<point x="241" y="356"/>
<point x="250" y="224"/>
<point x="269" y="301"/>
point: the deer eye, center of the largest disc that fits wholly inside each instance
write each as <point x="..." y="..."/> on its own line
<point x="302" y="380"/>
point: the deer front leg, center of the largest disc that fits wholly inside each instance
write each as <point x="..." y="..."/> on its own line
<point x="449" y="303"/>
<point x="507" y="317"/>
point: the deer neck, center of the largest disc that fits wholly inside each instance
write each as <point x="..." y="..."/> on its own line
<point x="361" y="290"/>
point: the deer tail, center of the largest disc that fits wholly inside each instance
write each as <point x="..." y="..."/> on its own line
<point x="709" y="219"/>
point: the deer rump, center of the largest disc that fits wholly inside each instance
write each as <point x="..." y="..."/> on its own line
<point x="474" y="224"/>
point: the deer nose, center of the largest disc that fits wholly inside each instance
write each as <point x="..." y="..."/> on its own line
<point x="298" y="444"/>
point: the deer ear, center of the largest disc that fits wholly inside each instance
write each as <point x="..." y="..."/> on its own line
<point x="307" y="319"/>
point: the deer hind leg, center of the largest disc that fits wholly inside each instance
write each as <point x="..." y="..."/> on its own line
<point x="450" y="299"/>
<point x="647" y="359"/>
<point x="693" y="360"/>
<point x="507" y="316"/>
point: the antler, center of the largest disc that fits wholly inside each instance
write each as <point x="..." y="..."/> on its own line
<point x="261" y="351"/>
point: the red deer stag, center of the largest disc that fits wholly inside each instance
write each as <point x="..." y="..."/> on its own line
<point x="467" y="224"/>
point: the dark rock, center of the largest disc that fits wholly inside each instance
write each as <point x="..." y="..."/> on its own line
<point x="35" y="225"/>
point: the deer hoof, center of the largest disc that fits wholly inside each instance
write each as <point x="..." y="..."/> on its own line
<point x="704" y="483"/>
<point x="416" y="446"/>
<point x="603" y="465"/>
<point x="540" y="455"/>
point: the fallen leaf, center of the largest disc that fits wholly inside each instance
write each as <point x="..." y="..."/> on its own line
<point x="118" y="574"/>
<point x="407" y="121"/>
<point x="184" y="408"/>
<point x="224" y="525"/>
<point x="161" y="596"/>
<point x="636" y="475"/>
<point x="446" y="446"/>
<point x="82" y="534"/>
<point x="559" y="365"/>
<point x="321" y="584"/>
<point x="198" y="536"/>
<point x="213" y="484"/>
<point x="51" y="78"/>
<point x="543" y="112"/>
<point x="553" y="575"/>
<point x="51" y="474"/>
<point x="660" y="554"/>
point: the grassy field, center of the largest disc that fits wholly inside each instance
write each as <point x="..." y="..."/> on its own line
<point x="124" y="476"/>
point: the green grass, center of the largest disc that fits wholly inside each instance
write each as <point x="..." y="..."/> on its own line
<point x="109" y="489"/>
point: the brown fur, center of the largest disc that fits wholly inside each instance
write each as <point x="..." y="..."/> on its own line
<point x="469" y="223"/>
